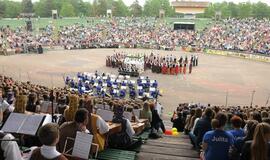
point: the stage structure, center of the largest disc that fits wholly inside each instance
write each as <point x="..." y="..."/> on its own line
<point x="109" y="13"/>
<point x="161" y="13"/>
<point x="54" y="14"/>
<point x="133" y="65"/>
<point x="190" y="7"/>
<point x="184" y="26"/>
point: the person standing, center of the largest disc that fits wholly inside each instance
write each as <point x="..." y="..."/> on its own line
<point x="190" y="68"/>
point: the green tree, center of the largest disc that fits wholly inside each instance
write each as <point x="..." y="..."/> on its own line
<point x="245" y="10"/>
<point x="261" y="10"/>
<point x="67" y="10"/>
<point x="2" y="8"/>
<point x="102" y="7"/>
<point x="136" y="9"/>
<point x="119" y="9"/>
<point x="233" y="9"/>
<point x="27" y="6"/>
<point x="13" y="9"/>
<point x="152" y="7"/>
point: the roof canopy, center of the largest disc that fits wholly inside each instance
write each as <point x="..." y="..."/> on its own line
<point x="190" y="4"/>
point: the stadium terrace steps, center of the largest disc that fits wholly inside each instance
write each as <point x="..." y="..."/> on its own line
<point x="116" y="154"/>
<point x="167" y="148"/>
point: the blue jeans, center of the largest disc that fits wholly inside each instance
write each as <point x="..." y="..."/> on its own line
<point x="193" y="139"/>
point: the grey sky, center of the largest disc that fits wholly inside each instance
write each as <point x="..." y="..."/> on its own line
<point x="129" y="2"/>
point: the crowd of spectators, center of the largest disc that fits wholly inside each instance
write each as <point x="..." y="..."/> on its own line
<point x="248" y="35"/>
<point x="226" y="133"/>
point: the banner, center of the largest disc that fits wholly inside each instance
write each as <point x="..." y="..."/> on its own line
<point x="254" y="57"/>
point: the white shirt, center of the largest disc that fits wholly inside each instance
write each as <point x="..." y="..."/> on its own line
<point x="130" y="131"/>
<point x="195" y="122"/>
<point x="10" y="148"/>
<point x="49" y="152"/>
<point x="102" y="126"/>
<point x="4" y="105"/>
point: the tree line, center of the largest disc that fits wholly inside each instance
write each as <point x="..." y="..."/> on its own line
<point x="75" y="8"/>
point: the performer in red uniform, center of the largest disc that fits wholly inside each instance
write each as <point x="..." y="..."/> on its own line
<point x="176" y="69"/>
<point x="185" y="68"/>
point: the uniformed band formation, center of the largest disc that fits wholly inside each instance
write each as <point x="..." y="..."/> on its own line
<point x="109" y="85"/>
<point x="168" y="64"/>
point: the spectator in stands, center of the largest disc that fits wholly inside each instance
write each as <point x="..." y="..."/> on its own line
<point x="146" y="114"/>
<point x="237" y="131"/>
<point x="203" y="125"/>
<point x="228" y="125"/>
<point x="259" y="147"/>
<point x="49" y="137"/>
<point x="178" y="120"/>
<point x="250" y="128"/>
<point x="194" y="120"/>
<point x="9" y="150"/>
<point x="69" y="129"/>
<point x="216" y="143"/>
<point x="188" y="121"/>
<point x="257" y="116"/>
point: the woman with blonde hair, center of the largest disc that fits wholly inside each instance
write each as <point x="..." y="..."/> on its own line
<point x="259" y="147"/>
<point x="146" y="114"/>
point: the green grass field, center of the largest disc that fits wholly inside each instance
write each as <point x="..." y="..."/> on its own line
<point x="42" y="22"/>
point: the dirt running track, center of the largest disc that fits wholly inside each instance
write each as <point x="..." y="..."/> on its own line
<point x="208" y="82"/>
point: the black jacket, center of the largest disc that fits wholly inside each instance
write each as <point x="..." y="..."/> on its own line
<point x="203" y="125"/>
<point x="246" y="151"/>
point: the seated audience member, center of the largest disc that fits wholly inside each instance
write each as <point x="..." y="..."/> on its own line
<point x="257" y="116"/>
<point x="259" y="147"/>
<point x="9" y="150"/>
<point x="96" y="125"/>
<point x="69" y="129"/>
<point x="216" y="143"/>
<point x="237" y="132"/>
<point x="239" y="142"/>
<point x="123" y="139"/>
<point x="49" y="137"/>
<point x="178" y="120"/>
<point x="146" y="114"/>
<point x="194" y="120"/>
<point x="188" y="121"/>
<point x="203" y="125"/>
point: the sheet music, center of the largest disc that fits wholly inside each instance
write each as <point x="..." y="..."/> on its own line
<point x="14" y="122"/>
<point x="137" y="112"/>
<point x="47" y="119"/>
<point x="105" y="114"/>
<point x="82" y="145"/>
<point x="45" y="106"/>
<point x="128" y="115"/>
<point x="31" y="124"/>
